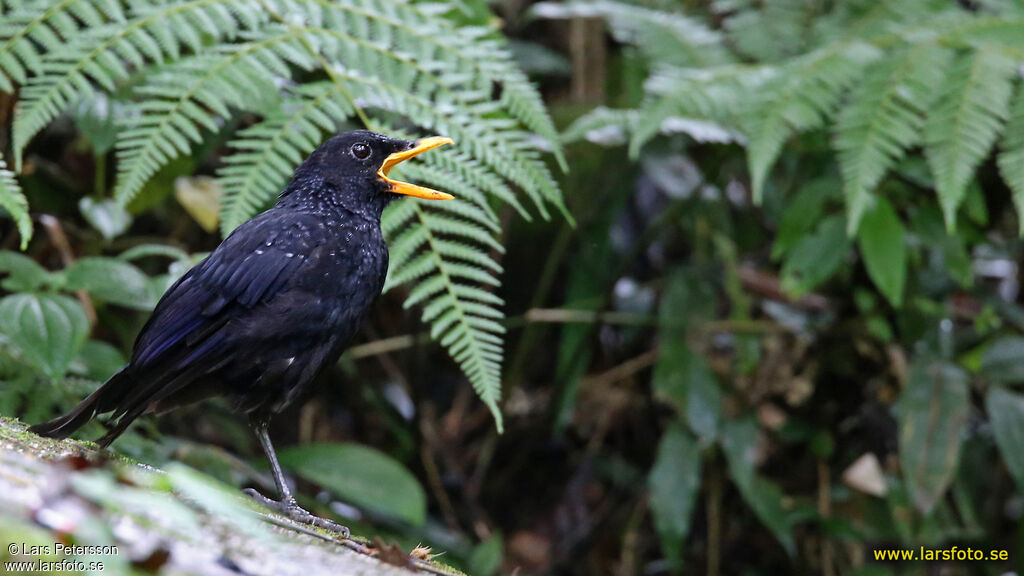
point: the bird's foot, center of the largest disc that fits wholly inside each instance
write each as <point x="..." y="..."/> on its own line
<point x="291" y="509"/>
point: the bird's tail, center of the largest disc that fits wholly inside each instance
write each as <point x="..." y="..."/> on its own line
<point x="102" y="400"/>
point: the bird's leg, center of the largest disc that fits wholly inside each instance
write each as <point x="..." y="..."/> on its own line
<point x="286" y="504"/>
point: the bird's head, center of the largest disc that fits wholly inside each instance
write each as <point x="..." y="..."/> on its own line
<point x="355" y="165"/>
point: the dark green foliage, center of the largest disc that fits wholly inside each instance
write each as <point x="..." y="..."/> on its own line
<point x="787" y="331"/>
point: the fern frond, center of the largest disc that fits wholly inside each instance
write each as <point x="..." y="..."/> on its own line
<point x="1011" y="156"/>
<point x="770" y="31"/>
<point x="266" y="154"/>
<point x="479" y="61"/>
<point x="182" y="99"/>
<point x="800" y="98"/>
<point x="883" y="118"/>
<point x="668" y="38"/>
<point x="965" y="122"/>
<point x="102" y="55"/>
<point x="714" y="94"/>
<point x="463" y="317"/>
<point x="27" y="32"/>
<point x="14" y="202"/>
<point x="507" y="152"/>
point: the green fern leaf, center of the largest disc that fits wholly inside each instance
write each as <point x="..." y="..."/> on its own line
<point x="102" y="55"/>
<point x="1011" y="156"/>
<point x="13" y="201"/>
<point x="771" y="32"/>
<point x="801" y="96"/>
<point x="668" y="38"/>
<point x="883" y="118"/>
<point x="192" y="93"/>
<point x="27" y="31"/>
<point x="463" y="317"/>
<point x="965" y="122"/>
<point x="713" y="94"/>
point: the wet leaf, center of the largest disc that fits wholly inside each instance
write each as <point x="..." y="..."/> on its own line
<point x="932" y="421"/>
<point x="96" y="118"/>
<point x="24" y="274"/>
<point x="107" y="216"/>
<point x="816" y="257"/>
<point x="98" y="360"/>
<point x="217" y="499"/>
<point x="360" y="475"/>
<point x="739" y="440"/>
<point x="1006" y="410"/>
<point x="113" y="281"/>
<point x="486" y="557"/>
<point x="684" y="380"/>
<point x="802" y="211"/>
<point x="1001" y="360"/>
<point x="882" y="245"/>
<point x="48" y="329"/>
<point x="674" y="482"/>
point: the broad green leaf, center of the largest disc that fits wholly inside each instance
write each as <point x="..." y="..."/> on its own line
<point x="49" y="330"/>
<point x="96" y="118"/>
<point x="926" y="223"/>
<point x="674" y="482"/>
<point x="739" y="440"/>
<point x="802" y="212"/>
<point x="486" y="558"/>
<point x="98" y="360"/>
<point x="1006" y="410"/>
<point x="107" y="216"/>
<point x="363" y="476"/>
<point x="146" y="250"/>
<point x="219" y="500"/>
<point x="883" y="247"/>
<point x="24" y="274"/>
<point x="111" y="280"/>
<point x="684" y="380"/>
<point x="1001" y="360"/>
<point x="932" y="422"/>
<point x="816" y="256"/>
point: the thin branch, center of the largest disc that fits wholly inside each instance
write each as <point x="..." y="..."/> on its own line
<point x="60" y="241"/>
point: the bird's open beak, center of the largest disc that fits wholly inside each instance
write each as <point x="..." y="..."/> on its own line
<point x="422" y="145"/>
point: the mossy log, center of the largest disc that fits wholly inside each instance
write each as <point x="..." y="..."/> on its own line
<point x="132" y="518"/>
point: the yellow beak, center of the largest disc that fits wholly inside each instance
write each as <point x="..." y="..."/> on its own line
<point x="422" y="145"/>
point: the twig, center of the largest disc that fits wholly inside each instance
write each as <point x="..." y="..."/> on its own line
<point x="60" y="241"/>
<point x="824" y="510"/>
<point x="429" y="434"/>
<point x="769" y="286"/>
<point x="353" y="545"/>
<point x="385" y="345"/>
<point x="569" y="316"/>
<point x="624" y="370"/>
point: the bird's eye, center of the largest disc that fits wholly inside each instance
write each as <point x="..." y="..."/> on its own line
<point x="360" y="150"/>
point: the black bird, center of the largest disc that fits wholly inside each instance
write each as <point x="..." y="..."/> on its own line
<point x="272" y="305"/>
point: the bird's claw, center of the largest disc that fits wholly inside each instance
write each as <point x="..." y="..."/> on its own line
<point x="291" y="509"/>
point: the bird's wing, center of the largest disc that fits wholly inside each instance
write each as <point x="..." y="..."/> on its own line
<point x="252" y="265"/>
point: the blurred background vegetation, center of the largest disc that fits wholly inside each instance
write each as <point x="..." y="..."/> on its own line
<point x="766" y="322"/>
